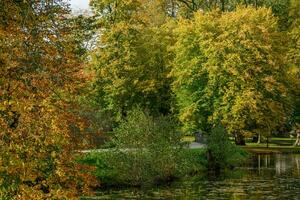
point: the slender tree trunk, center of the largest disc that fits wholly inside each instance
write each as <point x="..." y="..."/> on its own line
<point x="297" y="143"/>
<point x="212" y="165"/>
<point x="259" y="139"/>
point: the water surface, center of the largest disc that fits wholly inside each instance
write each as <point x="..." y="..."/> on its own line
<point x="265" y="177"/>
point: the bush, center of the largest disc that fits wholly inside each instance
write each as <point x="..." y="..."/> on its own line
<point x="147" y="151"/>
<point x="195" y="160"/>
<point x="221" y="152"/>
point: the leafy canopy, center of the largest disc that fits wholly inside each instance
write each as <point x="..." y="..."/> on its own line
<point x="229" y="67"/>
<point x="39" y="75"/>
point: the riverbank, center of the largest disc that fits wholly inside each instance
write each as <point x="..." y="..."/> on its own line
<point x="268" y="176"/>
<point x="275" y="145"/>
<point x="281" y="149"/>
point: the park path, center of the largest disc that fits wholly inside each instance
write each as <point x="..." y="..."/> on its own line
<point x="196" y="145"/>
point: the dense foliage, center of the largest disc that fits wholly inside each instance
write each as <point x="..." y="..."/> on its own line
<point x="147" y="150"/>
<point x="131" y="61"/>
<point x="230" y="67"/>
<point x="221" y="152"/>
<point x="200" y="63"/>
<point x="39" y="74"/>
<point x="193" y="59"/>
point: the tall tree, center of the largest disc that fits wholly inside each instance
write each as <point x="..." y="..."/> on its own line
<point x="131" y="59"/>
<point x="186" y="8"/>
<point x="229" y="68"/>
<point x="39" y="70"/>
<point x="293" y="57"/>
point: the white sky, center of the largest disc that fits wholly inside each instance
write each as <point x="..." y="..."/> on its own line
<point x="79" y="4"/>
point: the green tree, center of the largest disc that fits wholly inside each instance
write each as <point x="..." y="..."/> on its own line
<point x="229" y="68"/>
<point x="131" y="59"/>
<point x="186" y="8"/>
<point x="293" y="57"/>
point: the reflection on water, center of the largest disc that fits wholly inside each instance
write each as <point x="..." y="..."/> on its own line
<point x="278" y="164"/>
<point x="265" y="176"/>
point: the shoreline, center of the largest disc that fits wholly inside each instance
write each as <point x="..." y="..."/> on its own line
<point x="288" y="149"/>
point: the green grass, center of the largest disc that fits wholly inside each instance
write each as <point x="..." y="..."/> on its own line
<point x="94" y="157"/>
<point x="273" y="142"/>
<point x="276" y="145"/>
<point x="199" y="151"/>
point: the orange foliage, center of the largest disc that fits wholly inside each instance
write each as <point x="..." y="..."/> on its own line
<point x="38" y="77"/>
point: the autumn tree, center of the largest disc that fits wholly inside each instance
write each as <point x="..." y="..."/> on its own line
<point x="131" y="59"/>
<point x="39" y="74"/>
<point x="229" y="68"/>
<point x="293" y="57"/>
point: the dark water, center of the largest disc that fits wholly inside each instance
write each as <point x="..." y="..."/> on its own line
<point x="268" y="176"/>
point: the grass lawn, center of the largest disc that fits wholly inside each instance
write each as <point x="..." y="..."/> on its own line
<point x="276" y="145"/>
<point x="274" y="142"/>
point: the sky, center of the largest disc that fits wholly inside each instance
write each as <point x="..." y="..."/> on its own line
<point x="79" y="4"/>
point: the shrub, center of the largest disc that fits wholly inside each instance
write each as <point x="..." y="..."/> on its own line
<point x="221" y="152"/>
<point x="147" y="151"/>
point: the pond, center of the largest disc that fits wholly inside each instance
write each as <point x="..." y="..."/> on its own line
<point x="265" y="176"/>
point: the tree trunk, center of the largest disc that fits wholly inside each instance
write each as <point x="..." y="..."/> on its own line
<point x="255" y="138"/>
<point x="297" y="143"/>
<point x="240" y="140"/>
<point x="212" y="164"/>
<point x="259" y="139"/>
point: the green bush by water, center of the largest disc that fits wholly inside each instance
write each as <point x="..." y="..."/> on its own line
<point x="221" y="152"/>
<point x="147" y="151"/>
